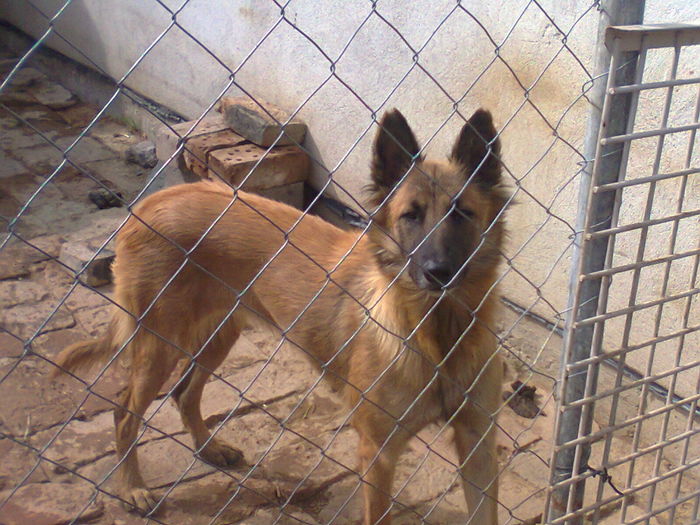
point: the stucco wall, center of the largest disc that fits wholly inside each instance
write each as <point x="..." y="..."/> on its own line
<point x="351" y="63"/>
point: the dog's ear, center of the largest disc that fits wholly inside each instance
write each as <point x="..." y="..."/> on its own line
<point x="395" y="147"/>
<point x="477" y="149"/>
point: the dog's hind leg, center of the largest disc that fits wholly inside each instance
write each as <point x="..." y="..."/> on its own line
<point x="188" y="396"/>
<point x="151" y="365"/>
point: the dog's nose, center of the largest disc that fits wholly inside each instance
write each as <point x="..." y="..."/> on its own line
<point x="438" y="273"/>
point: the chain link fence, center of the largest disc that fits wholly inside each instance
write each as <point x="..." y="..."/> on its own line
<point x="629" y="341"/>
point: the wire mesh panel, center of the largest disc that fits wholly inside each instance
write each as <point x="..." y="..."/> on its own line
<point x="644" y="324"/>
<point x="401" y="363"/>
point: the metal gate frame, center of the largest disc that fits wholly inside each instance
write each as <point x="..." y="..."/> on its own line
<point x="592" y="273"/>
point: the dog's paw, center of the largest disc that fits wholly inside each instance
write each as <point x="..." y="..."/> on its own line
<point x="221" y="455"/>
<point x="140" y="500"/>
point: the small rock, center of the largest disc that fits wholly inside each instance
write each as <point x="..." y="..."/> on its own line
<point x="55" y="96"/>
<point x="143" y="154"/>
<point x="523" y="401"/>
<point x="104" y="198"/>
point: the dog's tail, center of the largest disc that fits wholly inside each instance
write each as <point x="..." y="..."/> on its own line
<point x="84" y="356"/>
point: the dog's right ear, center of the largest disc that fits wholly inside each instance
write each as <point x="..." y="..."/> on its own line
<point x="395" y="148"/>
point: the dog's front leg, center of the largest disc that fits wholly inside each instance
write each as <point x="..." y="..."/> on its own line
<point x="378" y="456"/>
<point x="476" y="448"/>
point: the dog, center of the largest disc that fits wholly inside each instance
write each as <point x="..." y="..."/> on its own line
<point x="399" y="316"/>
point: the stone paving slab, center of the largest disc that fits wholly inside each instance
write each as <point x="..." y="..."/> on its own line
<point x="25" y="320"/>
<point x="30" y="402"/>
<point x="110" y="133"/>
<point x="52" y="504"/>
<point x="19" y="465"/>
<point x="80" y="115"/>
<point x="41" y="159"/>
<point x="21" y="137"/>
<point x="84" y="149"/>
<point x="10" y="345"/>
<point x="54" y="96"/>
<point x="128" y="178"/>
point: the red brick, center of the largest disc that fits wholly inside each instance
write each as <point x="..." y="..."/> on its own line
<point x="197" y="149"/>
<point x="279" y="167"/>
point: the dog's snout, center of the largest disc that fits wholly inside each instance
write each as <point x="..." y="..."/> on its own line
<point x="438" y="273"/>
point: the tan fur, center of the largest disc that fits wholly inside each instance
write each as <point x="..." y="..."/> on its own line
<point x="387" y="370"/>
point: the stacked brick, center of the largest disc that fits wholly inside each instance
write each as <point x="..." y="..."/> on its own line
<point x="249" y="147"/>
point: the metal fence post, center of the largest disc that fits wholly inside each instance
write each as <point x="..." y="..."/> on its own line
<point x="586" y="299"/>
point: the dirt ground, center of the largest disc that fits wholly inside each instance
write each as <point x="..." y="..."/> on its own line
<point x="56" y="438"/>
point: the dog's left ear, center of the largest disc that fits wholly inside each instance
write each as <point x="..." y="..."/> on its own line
<point x="477" y="149"/>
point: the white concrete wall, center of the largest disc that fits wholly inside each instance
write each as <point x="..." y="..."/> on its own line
<point x="274" y="61"/>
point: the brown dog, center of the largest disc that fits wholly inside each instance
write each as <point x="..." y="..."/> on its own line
<point x="400" y="317"/>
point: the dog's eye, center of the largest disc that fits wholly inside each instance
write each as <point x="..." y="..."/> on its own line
<point x="412" y="215"/>
<point x="459" y="214"/>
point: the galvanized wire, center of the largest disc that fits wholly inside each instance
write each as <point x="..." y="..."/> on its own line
<point x="536" y="280"/>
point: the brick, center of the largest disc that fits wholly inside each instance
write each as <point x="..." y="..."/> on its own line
<point x="167" y="137"/>
<point x="281" y="166"/>
<point x="76" y="254"/>
<point x="261" y="127"/>
<point x="197" y="151"/>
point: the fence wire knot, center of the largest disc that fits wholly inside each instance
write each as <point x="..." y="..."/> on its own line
<point x="607" y="478"/>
